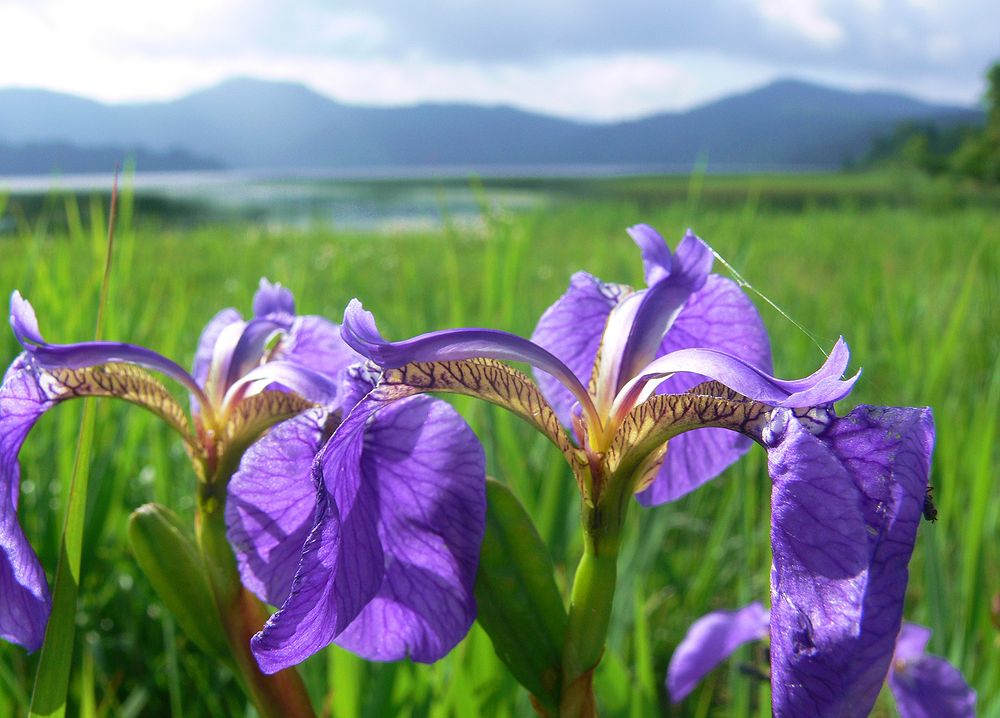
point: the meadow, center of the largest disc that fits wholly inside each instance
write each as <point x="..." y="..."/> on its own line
<point x="910" y="277"/>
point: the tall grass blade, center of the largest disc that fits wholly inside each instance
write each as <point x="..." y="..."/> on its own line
<point x="52" y="679"/>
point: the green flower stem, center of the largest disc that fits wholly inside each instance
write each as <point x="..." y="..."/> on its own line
<point x="590" y="608"/>
<point x="283" y="694"/>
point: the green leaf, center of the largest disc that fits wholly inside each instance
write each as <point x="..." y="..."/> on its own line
<point x="171" y="562"/>
<point x="519" y="604"/>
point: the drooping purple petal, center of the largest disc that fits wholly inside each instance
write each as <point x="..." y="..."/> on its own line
<point x="845" y="509"/>
<point x="25" y="602"/>
<point x="360" y="332"/>
<point x="571" y="330"/>
<point x="400" y="512"/>
<point x="822" y="387"/>
<point x="927" y="686"/>
<point x="273" y="299"/>
<point x="710" y="640"/>
<point x="718" y="316"/>
<point x="342" y="563"/>
<point x="85" y="354"/>
<point x="270" y="505"/>
<point x="430" y="473"/>
<point x="656" y="259"/>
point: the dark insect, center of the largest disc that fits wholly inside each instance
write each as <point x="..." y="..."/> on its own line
<point x="930" y="510"/>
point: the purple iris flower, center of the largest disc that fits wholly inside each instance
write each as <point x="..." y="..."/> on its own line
<point x="924" y="686"/>
<point x="664" y="387"/>
<point x="403" y="513"/>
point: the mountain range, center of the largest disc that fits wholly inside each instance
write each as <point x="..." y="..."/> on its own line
<point x="251" y="124"/>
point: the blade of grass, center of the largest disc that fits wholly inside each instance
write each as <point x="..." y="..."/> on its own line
<point x="52" y="679"/>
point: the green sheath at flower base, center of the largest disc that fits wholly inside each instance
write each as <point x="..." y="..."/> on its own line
<point x="171" y="562"/>
<point x="518" y="601"/>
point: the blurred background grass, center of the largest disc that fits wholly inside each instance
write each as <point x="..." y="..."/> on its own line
<point x="911" y="277"/>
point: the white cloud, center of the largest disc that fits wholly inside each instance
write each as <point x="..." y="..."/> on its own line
<point x="806" y="17"/>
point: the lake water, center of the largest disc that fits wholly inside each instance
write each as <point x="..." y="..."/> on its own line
<point x="389" y="200"/>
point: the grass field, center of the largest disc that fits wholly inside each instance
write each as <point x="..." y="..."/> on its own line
<point x="911" y="280"/>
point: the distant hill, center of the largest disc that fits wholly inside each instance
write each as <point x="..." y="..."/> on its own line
<point x="254" y="124"/>
<point x="64" y="158"/>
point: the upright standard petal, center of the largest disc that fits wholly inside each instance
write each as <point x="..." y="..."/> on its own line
<point x="273" y="299"/>
<point x="710" y="640"/>
<point x="25" y="602"/>
<point x="845" y="509"/>
<point x="718" y="316"/>
<point x="316" y="343"/>
<point x="389" y="566"/>
<point x="656" y="259"/>
<point x="661" y="304"/>
<point x="571" y="330"/>
<point x="206" y="342"/>
<point x="927" y="686"/>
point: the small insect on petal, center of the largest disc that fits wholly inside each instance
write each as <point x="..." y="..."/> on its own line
<point x="930" y="510"/>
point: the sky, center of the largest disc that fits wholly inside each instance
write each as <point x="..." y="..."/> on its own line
<point x="586" y="59"/>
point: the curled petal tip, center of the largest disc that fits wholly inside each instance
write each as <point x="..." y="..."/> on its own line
<point x="23" y="321"/>
<point x="360" y="332"/>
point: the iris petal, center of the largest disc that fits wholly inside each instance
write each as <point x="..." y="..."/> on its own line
<point x="656" y="259"/>
<point x="710" y="640"/>
<point x="845" y="510"/>
<point x="26" y="603"/>
<point x="430" y="472"/>
<point x="822" y="387"/>
<point x="342" y="563"/>
<point x="393" y="550"/>
<point x="927" y="686"/>
<point x="360" y="332"/>
<point x="571" y="330"/>
<point x="661" y="304"/>
<point x="269" y="510"/>
<point x="718" y="316"/>
<point x="85" y="354"/>
<point x="273" y="299"/>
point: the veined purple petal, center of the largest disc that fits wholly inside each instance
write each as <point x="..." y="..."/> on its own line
<point x="395" y="543"/>
<point x="273" y="299"/>
<point x="25" y="602"/>
<point x="845" y="509"/>
<point x="927" y="686"/>
<point x="271" y="502"/>
<point x="660" y="305"/>
<point x="656" y="259"/>
<point x="718" y="316"/>
<point x="360" y="332"/>
<point x="710" y="640"/>
<point x="822" y="387"/>
<point x="85" y="354"/>
<point x="342" y="565"/>
<point x="430" y="472"/>
<point x="571" y="330"/>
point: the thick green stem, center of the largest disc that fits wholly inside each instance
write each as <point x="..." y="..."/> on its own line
<point x="283" y="694"/>
<point x="590" y="609"/>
